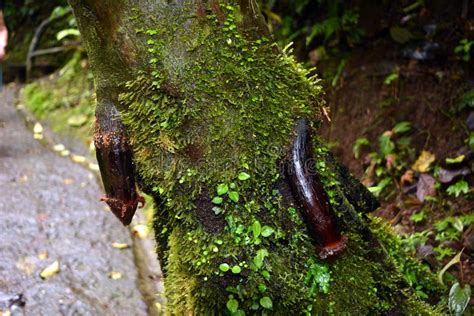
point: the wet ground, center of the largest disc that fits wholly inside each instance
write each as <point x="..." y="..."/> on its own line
<point x="50" y="211"/>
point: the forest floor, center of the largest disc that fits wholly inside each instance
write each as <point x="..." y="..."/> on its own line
<point x="62" y="252"/>
<point x="404" y="127"/>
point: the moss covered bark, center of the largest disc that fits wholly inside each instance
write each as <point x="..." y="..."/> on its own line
<point x="209" y="105"/>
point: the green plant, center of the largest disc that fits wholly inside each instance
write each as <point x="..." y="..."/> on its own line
<point x="361" y="141"/>
<point x="418" y="217"/>
<point x="392" y="77"/>
<point x="459" y="298"/>
<point x="463" y="49"/>
<point x="412" y="241"/>
<point x="443" y="252"/>
<point x="331" y="23"/>
<point x="470" y="140"/>
<point x="389" y="160"/>
<point x="457" y="188"/>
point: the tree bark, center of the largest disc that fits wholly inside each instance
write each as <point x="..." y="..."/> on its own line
<point x="210" y="108"/>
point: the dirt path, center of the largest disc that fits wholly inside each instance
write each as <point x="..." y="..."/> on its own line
<point x="49" y="205"/>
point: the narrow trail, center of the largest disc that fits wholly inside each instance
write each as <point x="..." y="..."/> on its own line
<point x="49" y="210"/>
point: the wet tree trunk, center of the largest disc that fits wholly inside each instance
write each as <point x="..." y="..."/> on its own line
<point x="253" y="214"/>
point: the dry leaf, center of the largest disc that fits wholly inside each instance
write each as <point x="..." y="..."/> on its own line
<point x="141" y="231"/>
<point x="159" y="308"/>
<point x="94" y="167"/>
<point x="390" y="161"/>
<point x="64" y="152"/>
<point x="456" y="259"/>
<point x="406" y="178"/>
<point x="59" y="147"/>
<point x="114" y="275"/>
<point x="43" y="255"/>
<point x="23" y="178"/>
<point x="446" y="176"/>
<point x="38" y="129"/>
<point x="120" y="245"/>
<point x="422" y="164"/>
<point x="26" y="264"/>
<point x="78" y="159"/>
<point x="50" y="270"/>
<point x="68" y="181"/>
<point x="425" y="186"/>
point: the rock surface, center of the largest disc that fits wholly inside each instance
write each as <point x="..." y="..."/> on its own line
<point x="50" y="211"/>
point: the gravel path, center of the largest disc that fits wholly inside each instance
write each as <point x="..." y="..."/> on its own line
<point x="50" y="211"/>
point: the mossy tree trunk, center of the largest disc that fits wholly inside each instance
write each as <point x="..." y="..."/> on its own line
<point x="209" y="106"/>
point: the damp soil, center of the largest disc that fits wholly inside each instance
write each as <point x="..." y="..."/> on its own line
<point x="425" y="94"/>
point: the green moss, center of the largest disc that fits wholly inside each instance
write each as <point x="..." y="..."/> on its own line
<point x="217" y="102"/>
<point x="65" y="94"/>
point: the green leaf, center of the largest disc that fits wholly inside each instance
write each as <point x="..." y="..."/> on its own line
<point x="458" y="159"/>
<point x="390" y="78"/>
<point x="386" y="144"/>
<point x="222" y="189"/>
<point x="234" y="196"/>
<point x="217" y="200"/>
<point x="266" y="302"/>
<point x="259" y="257"/>
<point x="376" y="190"/>
<point x="358" y="144"/>
<point x="402" y="127"/>
<point x="243" y="176"/>
<point x="266" y="274"/>
<point x="239" y="312"/>
<point x="217" y="210"/>
<point x="256" y="229"/>
<point x="459" y="187"/>
<point x="236" y="269"/>
<point x="68" y="32"/>
<point x="470" y="140"/>
<point x="224" y="267"/>
<point x="267" y="231"/>
<point x="232" y="305"/>
<point x="418" y="217"/>
<point x="459" y="298"/>
<point x="262" y="287"/>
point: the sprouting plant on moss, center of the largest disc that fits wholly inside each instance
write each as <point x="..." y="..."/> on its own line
<point x="317" y="278"/>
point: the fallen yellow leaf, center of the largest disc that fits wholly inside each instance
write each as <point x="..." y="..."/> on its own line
<point x="120" y="245"/>
<point x="59" y="147"/>
<point x="50" y="270"/>
<point x="64" y="152"/>
<point x="422" y="164"/>
<point x="140" y="230"/>
<point x="38" y="129"/>
<point x="78" y="159"/>
<point x="26" y="264"/>
<point x="5" y="313"/>
<point x="114" y="275"/>
<point x="159" y="308"/>
<point x="43" y="255"/>
<point x="94" y="166"/>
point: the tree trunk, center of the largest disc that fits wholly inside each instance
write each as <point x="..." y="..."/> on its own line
<point x="253" y="214"/>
